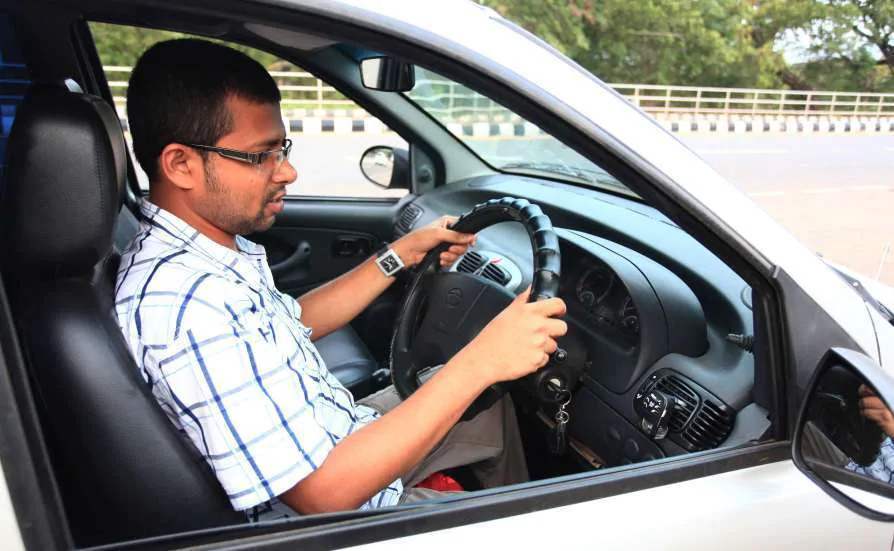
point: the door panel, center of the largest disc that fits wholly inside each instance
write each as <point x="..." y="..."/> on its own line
<point x="766" y="507"/>
<point x="314" y="241"/>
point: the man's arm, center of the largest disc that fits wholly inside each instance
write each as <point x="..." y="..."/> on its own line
<point x="336" y="303"/>
<point x="513" y="344"/>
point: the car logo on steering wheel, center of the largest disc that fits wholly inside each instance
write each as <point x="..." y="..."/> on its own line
<point x="454" y="297"/>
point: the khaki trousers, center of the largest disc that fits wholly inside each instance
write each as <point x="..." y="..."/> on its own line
<point x="490" y="444"/>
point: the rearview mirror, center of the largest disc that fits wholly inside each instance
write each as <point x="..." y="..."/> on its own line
<point x="843" y="440"/>
<point x="387" y="74"/>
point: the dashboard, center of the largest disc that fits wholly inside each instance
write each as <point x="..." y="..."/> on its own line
<point x="649" y="312"/>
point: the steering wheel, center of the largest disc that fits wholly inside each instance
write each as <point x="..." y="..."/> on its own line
<point x="443" y="311"/>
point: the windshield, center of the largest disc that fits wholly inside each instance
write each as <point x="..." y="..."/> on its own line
<point x="501" y="137"/>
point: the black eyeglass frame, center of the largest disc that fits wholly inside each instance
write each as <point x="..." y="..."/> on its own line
<point x="255" y="158"/>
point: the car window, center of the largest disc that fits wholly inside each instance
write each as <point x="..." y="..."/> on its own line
<point x="501" y="137"/>
<point x="14" y="80"/>
<point x="326" y="129"/>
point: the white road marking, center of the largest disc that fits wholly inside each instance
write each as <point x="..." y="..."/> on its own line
<point x="818" y="191"/>
<point x="740" y="151"/>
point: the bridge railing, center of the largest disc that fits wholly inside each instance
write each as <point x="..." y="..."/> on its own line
<point x="302" y="90"/>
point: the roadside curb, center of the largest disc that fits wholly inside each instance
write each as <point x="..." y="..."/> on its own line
<point x="313" y="125"/>
<point x="778" y="124"/>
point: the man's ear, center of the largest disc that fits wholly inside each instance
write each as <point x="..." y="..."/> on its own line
<point x="181" y="165"/>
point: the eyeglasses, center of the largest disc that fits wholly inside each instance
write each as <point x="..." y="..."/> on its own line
<point x="256" y="159"/>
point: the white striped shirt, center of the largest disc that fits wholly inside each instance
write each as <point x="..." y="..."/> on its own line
<point x="229" y="360"/>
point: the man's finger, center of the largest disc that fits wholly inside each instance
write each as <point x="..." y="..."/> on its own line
<point x="447" y="221"/>
<point x="865" y="391"/>
<point x="523" y="296"/>
<point x="551" y="346"/>
<point x="451" y="236"/>
<point x="872" y="402"/>
<point x="556" y="327"/>
<point x="550" y="307"/>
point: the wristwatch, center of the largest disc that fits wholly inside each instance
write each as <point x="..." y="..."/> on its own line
<point x="388" y="261"/>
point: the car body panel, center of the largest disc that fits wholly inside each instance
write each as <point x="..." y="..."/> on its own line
<point x="10" y="535"/>
<point x="756" y="508"/>
<point x="759" y="506"/>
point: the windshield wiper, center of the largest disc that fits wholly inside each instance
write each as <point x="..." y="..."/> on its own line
<point x="863" y="292"/>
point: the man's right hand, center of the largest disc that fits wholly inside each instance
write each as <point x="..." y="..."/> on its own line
<point x="518" y="341"/>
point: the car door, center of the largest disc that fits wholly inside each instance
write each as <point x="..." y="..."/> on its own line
<point x="750" y="496"/>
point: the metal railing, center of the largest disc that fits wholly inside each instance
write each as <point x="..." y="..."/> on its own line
<point x="666" y="100"/>
<point x="447" y="99"/>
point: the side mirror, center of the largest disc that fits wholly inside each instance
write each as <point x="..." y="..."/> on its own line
<point x="386" y="167"/>
<point x="387" y="74"/>
<point x="843" y="439"/>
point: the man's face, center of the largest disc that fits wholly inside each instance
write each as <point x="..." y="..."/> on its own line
<point x="239" y="198"/>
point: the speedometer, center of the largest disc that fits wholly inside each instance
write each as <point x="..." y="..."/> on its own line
<point x="594" y="285"/>
<point x="629" y="316"/>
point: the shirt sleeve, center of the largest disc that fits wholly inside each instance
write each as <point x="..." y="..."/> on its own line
<point x="245" y="406"/>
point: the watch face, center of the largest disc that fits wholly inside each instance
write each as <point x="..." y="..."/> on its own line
<point x="389" y="262"/>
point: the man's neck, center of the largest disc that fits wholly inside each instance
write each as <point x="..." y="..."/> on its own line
<point x="189" y="216"/>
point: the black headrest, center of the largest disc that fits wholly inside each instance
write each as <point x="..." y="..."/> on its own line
<point x="65" y="169"/>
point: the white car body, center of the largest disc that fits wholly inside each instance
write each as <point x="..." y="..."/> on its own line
<point x="765" y="506"/>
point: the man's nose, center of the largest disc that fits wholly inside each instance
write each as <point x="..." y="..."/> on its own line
<point x="285" y="174"/>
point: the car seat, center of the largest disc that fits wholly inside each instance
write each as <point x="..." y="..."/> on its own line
<point x="123" y="470"/>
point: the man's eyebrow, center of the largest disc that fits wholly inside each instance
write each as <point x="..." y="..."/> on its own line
<point x="269" y="144"/>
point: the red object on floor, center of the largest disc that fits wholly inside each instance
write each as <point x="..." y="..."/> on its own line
<point x="440" y="482"/>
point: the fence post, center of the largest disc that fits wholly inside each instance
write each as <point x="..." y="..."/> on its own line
<point x="878" y="110"/>
<point x="807" y="103"/>
<point x="782" y="98"/>
<point x="726" y="104"/>
<point x="698" y="101"/>
<point x="834" y="99"/>
<point x="667" y="101"/>
<point x="319" y="94"/>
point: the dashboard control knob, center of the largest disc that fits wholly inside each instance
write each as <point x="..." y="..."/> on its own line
<point x="588" y="299"/>
<point x="655" y="410"/>
<point x="560" y="355"/>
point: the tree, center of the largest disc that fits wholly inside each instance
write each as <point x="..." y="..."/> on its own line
<point x="849" y="44"/>
<point x="699" y="42"/>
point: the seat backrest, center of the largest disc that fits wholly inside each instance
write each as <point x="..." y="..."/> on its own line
<point x="123" y="470"/>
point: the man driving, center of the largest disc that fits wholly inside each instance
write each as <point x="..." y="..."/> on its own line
<point x="230" y="358"/>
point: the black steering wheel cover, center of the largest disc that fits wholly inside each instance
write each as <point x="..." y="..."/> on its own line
<point x="545" y="285"/>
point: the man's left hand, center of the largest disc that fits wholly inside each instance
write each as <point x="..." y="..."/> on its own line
<point x="413" y="247"/>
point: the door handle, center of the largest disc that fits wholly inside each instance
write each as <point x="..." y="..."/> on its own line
<point x="298" y="259"/>
<point x="351" y="246"/>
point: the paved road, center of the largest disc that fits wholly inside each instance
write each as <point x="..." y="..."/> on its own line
<point x="836" y="193"/>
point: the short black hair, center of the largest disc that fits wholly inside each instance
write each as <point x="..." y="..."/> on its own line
<point x="178" y="91"/>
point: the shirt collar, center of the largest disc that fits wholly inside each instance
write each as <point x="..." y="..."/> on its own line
<point x="172" y="230"/>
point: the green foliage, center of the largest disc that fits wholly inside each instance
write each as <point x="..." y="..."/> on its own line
<point x="718" y="42"/>
<point x="848" y="44"/>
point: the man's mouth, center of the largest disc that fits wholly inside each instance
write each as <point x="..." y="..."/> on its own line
<point x="276" y="204"/>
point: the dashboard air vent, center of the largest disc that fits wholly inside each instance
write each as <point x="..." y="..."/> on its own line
<point x="407" y="217"/>
<point x="687" y="401"/>
<point x="495" y="273"/>
<point x="711" y="426"/>
<point x="470" y="262"/>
